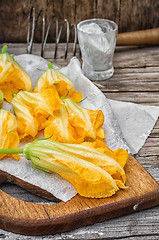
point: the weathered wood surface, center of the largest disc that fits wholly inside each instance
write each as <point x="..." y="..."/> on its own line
<point x="130" y="15"/>
<point x="136" y="79"/>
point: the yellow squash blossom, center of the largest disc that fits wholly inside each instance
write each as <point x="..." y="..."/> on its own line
<point x="63" y="85"/>
<point x="89" y="179"/>
<point x="91" y="172"/>
<point x="12" y="77"/>
<point x="33" y="110"/>
<point x="87" y="123"/>
<point x="27" y="124"/>
<point x="103" y="160"/>
<point x="60" y="129"/>
<point x="8" y="132"/>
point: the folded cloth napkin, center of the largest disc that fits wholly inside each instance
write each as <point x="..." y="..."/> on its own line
<point x="126" y="125"/>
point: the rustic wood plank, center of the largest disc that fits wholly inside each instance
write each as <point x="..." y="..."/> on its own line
<point x="152" y="142"/>
<point x="150" y="163"/>
<point x="151" y="151"/>
<point x="104" y="10"/>
<point x="155" y="131"/>
<point x="129" y="9"/>
<point x="139" y="57"/>
<point x="131" y="83"/>
<point x="137" y="226"/>
<point x="126" y="60"/>
<point x="136" y="70"/>
<point x="145" y="98"/>
<point x="130" y="15"/>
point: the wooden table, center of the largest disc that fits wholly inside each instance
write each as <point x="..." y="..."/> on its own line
<point x="136" y="79"/>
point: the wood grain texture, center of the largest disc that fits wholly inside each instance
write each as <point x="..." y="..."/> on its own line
<point x="130" y="15"/>
<point x="38" y="219"/>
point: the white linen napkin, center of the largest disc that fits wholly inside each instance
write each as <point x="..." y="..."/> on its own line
<point x="126" y="125"/>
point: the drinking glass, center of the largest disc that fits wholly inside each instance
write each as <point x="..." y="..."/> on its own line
<point x="97" y="41"/>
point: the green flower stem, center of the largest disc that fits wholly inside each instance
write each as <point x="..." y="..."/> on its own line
<point x="1" y="97"/>
<point x="11" y="150"/>
<point x="4" y="49"/>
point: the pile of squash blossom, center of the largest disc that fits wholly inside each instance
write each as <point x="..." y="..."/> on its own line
<point x="74" y="139"/>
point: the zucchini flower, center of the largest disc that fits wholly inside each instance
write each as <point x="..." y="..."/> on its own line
<point x="60" y="129"/>
<point x="12" y="77"/>
<point x="8" y="132"/>
<point x="33" y="110"/>
<point x="63" y="85"/>
<point x="75" y="124"/>
<point x="105" y="161"/>
<point x="72" y="162"/>
<point x="87" y="123"/>
<point x="27" y="124"/>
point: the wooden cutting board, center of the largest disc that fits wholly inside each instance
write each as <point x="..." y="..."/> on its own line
<point x="38" y="219"/>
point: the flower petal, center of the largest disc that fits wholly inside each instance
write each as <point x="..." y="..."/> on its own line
<point x="60" y="129"/>
<point x="63" y="85"/>
<point x="12" y="77"/>
<point x="33" y="110"/>
<point x="8" y="132"/>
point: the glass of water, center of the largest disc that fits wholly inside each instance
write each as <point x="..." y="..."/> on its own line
<point x="97" y="41"/>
